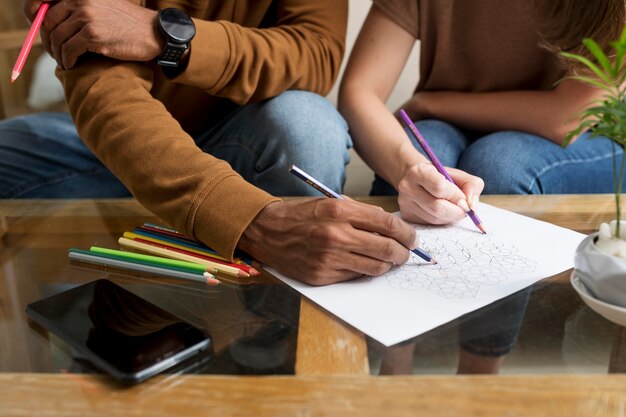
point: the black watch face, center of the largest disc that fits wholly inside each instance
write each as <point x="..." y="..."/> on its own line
<point x="177" y="25"/>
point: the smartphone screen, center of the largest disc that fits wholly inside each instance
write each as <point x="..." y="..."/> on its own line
<point x="118" y="331"/>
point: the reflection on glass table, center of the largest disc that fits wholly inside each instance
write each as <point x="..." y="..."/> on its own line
<point x="541" y="329"/>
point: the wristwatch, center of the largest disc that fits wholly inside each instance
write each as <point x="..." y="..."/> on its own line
<point x="178" y="30"/>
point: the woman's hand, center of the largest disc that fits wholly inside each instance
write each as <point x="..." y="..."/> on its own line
<point x="425" y="196"/>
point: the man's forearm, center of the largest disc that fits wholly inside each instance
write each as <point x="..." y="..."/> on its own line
<point x="139" y="141"/>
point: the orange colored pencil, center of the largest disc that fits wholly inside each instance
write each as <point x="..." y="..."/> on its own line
<point x="28" y="42"/>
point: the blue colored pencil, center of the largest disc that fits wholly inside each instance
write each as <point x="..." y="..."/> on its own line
<point x="183" y="240"/>
<point x="331" y="194"/>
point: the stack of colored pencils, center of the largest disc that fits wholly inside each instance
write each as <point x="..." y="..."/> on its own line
<point x="166" y="252"/>
<point x="143" y="263"/>
<point x="168" y="243"/>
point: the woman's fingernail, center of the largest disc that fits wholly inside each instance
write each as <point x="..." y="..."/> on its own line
<point x="463" y="205"/>
<point x="475" y="202"/>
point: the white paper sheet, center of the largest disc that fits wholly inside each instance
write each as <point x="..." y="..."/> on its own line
<point x="474" y="270"/>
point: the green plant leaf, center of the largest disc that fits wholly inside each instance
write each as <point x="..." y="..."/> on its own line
<point x="620" y="52"/>
<point x="592" y="81"/>
<point x="618" y="62"/>
<point x="600" y="56"/>
<point x="593" y="67"/>
<point x="606" y="117"/>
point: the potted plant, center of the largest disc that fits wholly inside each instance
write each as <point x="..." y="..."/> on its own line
<point x="600" y="260"/>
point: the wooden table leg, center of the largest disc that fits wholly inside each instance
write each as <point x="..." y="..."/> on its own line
<point x="4" y="226"/>
<point x="326" y="345"/>
<point x="617" y="363"/>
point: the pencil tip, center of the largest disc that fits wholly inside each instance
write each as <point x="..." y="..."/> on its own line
<point x="482" y="229"/>
<point x="210" y="279"/>
<point x="14" y="76"/>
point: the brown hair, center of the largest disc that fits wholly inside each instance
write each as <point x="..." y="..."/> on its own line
<point x="563" y="24"/>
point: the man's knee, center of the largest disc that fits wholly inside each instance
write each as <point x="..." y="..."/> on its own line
<point x="304" y="114"/>
<point x="314" y="133"/>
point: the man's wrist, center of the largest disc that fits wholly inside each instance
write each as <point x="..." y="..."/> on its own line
<point x="252" y="233"/>
<point x="156" y="41"/>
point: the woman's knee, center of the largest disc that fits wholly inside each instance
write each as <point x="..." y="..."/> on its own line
<point x="505" y="161"/>
<point x="446" y="140"/>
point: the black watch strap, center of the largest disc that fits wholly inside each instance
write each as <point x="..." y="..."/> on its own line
<point x="172" y="54"/>
<point x="177" y="29"/>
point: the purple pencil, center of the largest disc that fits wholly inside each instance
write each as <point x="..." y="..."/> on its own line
<point x="433" y="158"/>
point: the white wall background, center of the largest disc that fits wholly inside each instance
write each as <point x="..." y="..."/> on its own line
<point x="359" y="177"/>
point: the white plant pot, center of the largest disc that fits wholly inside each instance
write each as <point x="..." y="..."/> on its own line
<point x="603" y="275"/>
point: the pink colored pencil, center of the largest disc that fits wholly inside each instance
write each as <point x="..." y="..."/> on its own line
<point x="28" y="42"/>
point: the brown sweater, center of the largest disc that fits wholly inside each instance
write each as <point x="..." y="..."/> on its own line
<point x="476" y="45"/>
<point x="138" y="122"/>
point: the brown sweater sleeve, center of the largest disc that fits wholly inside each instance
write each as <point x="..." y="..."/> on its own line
<point x="302" y="51"/>
<point x="139" y="141"/>
<point x="133" y="134"/>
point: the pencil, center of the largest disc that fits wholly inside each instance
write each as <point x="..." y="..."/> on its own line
<point x="98" y="259"/>
<point x="314" y="183"/>
<point x="175" y="233"/>
<point x="331" y="194"/>
<point x="244" y="267"/>
<point x="433" y="158"/>
<point x="166" y="252"/>
<point x="168" y="242"/>
<point x="152" y="260"/>
<point x="141" y="230"/>
<point x="172" y="235"/>
<point x="185" y="242"/>
<point x="28" y="42"/>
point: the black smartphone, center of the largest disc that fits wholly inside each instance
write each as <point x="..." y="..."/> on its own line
<point x="119" y="332"/>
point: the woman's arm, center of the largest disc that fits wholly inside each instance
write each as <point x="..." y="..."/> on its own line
<point x="377" y="59"/>
<point x="550" y="114"/>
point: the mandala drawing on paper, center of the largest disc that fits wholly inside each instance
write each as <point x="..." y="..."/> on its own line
<point x="466" y="261"/>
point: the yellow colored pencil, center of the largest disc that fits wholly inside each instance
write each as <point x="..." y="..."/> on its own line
<point x="131" y="235"/>
<point x="213" y="266"/>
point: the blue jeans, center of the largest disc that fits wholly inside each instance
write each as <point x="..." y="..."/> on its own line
<point x="41" y="155"/>
<point x="512" y="162"/>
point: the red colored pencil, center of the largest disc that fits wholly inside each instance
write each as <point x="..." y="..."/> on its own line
<point x="164" y="232"/>
<point x="28" y="42"/>
<point x="244" y="268"/>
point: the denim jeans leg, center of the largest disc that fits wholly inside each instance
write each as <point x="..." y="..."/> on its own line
<point x="521" y="163"/>
<point x="446" y="140"/>
<point x="41" y="156"/>
<point x="262" y="140"/>
<point x="493" y="330"/>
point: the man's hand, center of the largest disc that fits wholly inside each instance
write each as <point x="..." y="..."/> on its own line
<point x="322" y="241"/>
<point x="113" y="28"/>
<point x="425" y="196"/>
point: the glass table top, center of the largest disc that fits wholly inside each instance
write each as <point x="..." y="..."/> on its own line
<point x="255" y="324"/>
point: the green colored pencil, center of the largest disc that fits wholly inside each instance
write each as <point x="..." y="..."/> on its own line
<point x="151" y="260"/>
<point x="132" y="265"/>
